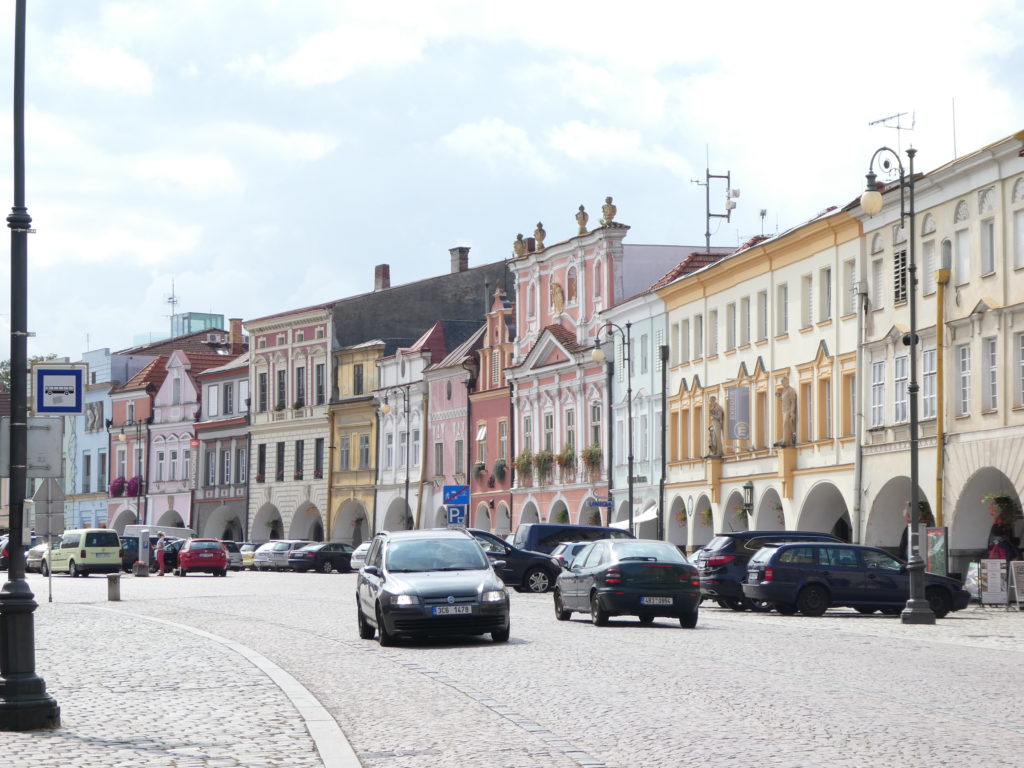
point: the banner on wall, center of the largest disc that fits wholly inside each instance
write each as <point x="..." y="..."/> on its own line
<point x="738" y="413"/>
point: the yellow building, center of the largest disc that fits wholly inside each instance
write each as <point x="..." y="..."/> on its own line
<point x="353" y="456"/>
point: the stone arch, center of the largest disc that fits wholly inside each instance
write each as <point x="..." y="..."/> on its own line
<point x="397" y="517"/>
<point x="529" y="513"/>
<point x="350" y="523"/>
<point x="441" y="517"/>
<point x="702" y="521"/>
<point x="769" y="512"/>
<point x="482" y="517"/>
<point x="676" y="523"/>
<point x="266" y="524"/>
<point x="559" y="512"/>
<point x="886" y="525"/>
<point x="824" y="510"/>
<point x="307" y="523"/>
<point x="125" y="515"/>
<point x="734" y="518"/>
<point x="171" y="518"/>
<point x="502" y="519"/>
<point x="973" y="520"/>
<point x="223" y="523"/>
<point x="587" y="514"/>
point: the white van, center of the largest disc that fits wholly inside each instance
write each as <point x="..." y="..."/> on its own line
<point x="84" y="551"/>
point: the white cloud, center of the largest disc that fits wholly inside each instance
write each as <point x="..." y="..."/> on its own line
<point x="588" y="143"/>
<point x="300" y="146"/>
<point x="98" y="65"/>
<point x="501" y="146"/>
<point x="205" y="173"/>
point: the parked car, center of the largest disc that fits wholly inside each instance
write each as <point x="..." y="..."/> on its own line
<point x="5" y="549"/>
<point x="234" y="554"/>
<point x="34" y="558"/>
<point x="563" y="554"/>
<point x="247" y="549"/>
<point x="544" y="537"/>
<point x="358" y="559"/>
<point x="813" y="577"/>
<point x="171" y="549"/>
<point x="521" y="570"/>
<point x="723" y="564"/>
<point x="261" y="556"/>
<point x="322" y="556"/>
<point x="83" y="551"/>
<point x="130" y="551"/>
<point x="629" y="577"/>
<point x="202" y="556"/>
<point x="280" y="551"/>
<point x="436" y="582"/>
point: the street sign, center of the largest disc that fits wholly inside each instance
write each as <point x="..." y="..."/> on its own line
<point x="44" y="446"/>
<point x="458" y="515"/>
<point x="48" y="508"/>
<point x="456" y="494"/>
<point x="599" y="503"/>
<point x="58" y="389"/>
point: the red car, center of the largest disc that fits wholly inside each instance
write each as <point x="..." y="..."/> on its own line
<point x="205" y="555"/>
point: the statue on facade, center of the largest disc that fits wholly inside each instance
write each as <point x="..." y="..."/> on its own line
<point x="557" y="297"/>
<point x="538" y="236"/>
<point x="787" y="398"/>
<point x="608" y="211"/>
<point x="716" y="428"/>
<point x="519" y="246"/>
<point x="581" y="219"/>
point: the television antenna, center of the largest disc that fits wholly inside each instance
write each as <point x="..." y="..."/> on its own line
<point x="899" y="126"/>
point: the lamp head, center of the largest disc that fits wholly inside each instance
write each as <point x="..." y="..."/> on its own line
<point x="598" y="355"/>
<point x="871" y="200"/>
<point x="385" y="408"/>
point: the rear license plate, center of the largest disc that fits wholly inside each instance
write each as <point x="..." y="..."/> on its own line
<point x="102" y="554"/>
<point x="656" y="601"/>
<point x="449" y="610"/>
<point x="206" y="554"/>
<point x="752" y="577"/>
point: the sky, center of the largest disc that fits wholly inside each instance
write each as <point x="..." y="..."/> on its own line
<point x="264" y="155"/>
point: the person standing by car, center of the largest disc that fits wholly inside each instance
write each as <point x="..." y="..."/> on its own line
<point x="161" y="542"/>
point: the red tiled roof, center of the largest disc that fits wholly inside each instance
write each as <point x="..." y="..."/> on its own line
<point x="189" y="342"/>
<point x="693" y="262"/>
<point x="565" y="337"/>
<point x="154" y="373"/>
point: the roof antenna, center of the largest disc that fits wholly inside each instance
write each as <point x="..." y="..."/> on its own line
<point x="172" y="299"/>
<point x="899" y="125"/>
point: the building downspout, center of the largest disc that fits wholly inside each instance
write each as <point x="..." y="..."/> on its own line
<point x="423" y="456"/>
<point x="510" y="460"/>
<point x="858" y="418"/>
<point x="941" y="279"/>
<point x="329" y="473"/>
<point x="608" y="398"/>
<point x="376" y="468"/>
<point x="663" y="351"/>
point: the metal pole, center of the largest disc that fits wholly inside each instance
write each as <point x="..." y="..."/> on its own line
<point x="629" y="425"/>
<point x="663" y="351"/>
<point x="408" y="444"/>
<point x="24" y="703"/>
<point x="917" y="610"/>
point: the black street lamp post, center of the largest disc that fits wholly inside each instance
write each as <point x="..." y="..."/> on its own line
<point x="24" y="703"/>
<point x="386" y="409"/>
<point x="599" y="356"/>
<point x="917" y="610"/>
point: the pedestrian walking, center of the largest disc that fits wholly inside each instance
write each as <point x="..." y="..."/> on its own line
<point x="161" y="542"/>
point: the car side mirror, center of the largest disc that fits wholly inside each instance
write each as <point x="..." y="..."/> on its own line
<point x="371" y="569"/>
<point x="498" y="564"/>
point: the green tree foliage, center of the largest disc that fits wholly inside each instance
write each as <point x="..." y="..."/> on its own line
<point x="5" y="368"/>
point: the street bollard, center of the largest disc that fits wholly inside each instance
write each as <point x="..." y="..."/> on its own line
<point x="113" y="587"/>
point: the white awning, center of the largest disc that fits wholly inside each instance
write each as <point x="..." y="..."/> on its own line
<point x="651" y="513"/>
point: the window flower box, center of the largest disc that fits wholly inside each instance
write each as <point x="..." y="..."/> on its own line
<point x="117" y="487"/>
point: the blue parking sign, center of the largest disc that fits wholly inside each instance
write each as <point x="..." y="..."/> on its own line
<point x="457" y="515"/>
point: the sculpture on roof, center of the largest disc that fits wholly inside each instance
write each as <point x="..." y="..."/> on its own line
<point x="519" y="246"/>
<point x="581" y="219"/>
<point x="608" y="210"/>
<point x="538" y="235"/>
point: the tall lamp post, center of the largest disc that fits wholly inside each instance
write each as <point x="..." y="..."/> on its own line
<point x="599" y="357"/>
<point x="386" y="409"/>
<point x="24" y="703"/>
<point x="917" y="610"/>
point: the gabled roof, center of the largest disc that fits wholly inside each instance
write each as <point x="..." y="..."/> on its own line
<point x="189" y="342"/>
<point x="242" y="361"/>
<point x="566" y="338"/>
<point x="153" y="374"/>
<point x="455" y="358"/>
<point x="693" y="262"/>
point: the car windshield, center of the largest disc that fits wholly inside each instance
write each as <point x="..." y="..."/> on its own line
<point x="638" y="549"/>
<point x="435" y="555"/>
<point x="204" y="545"/>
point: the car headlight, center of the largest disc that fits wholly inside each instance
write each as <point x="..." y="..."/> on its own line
<point x="494" y="596"/>
<point x="405" y="600"/>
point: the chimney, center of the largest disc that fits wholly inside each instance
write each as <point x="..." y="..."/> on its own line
<point x="235" y="334"/>
<point x="381" y="277"/>
<point x="460" y="258"/>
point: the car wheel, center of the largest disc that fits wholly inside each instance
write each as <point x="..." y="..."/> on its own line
<point x="366" y="630"/>
<point x="688" y="620"/>
<point x="560" y="613"/>
<point x="537" y="580"/>
<point x="812" y="600"/>
<point x="326" y="567"/>
<point x="938" y="601"/>
<point x="735" y="603"/>
<point x="502" y="635"/>
<point x="44" y="568"/>
<point x="757" y="606"/>
<point x="867" y="610"/>
<point x="646" y="618"/>
<point x="597" y="614"/>
<point x="786" y="609"/>
<point x="223" y="572"/>
<point x="73" y="569"/>
<point x="384" y="637"/>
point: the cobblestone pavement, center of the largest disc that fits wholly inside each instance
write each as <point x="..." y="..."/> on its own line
<point x="742" y="689"/>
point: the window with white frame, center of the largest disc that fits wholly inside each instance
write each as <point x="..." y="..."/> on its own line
<point x="684" y="341"/>
<point x="877" y="281"/>
<point x="675" y="344"/>
<point x="644" y="353"/>
<point x="849" y="283"/>
<point x="1018" y="239"/>
<point x="345" y="454"/>
<point x="186" y="456"/>
<point x="364" y="451"/>
<point x="229" y="398"/>
<point x="282" y="382"/>
<point x="213" y="400"/>
<point x="241" y="465"/>
<point x="300" y="384"/>
<point x="438" y="458"/>
<point x="320" y="382"/>
<point x="928" y="267"/>
<point x="963" y="373"/>
<point x="403" y="448"/>
<point x="901" y="401"/>
<point x="211" y="466"/>
<point x="806" y="301"/>
<point x="877" y="393"/>
<point x="963" y="257"/>
<point x="460" y="458"/>
<point x="481" y="444"/>
<point x="415" y="447"/>
<point x="713" y="333"/>
<point x="503" y="440"/>
<point x="988" y="246"/>
<point x="549" y="432"/>
<point x="570" y="428"/>
<point x="990" y="348"/>
<point x="781" y="309"/>
<point x="243" y="396"/>
<point x="825" y="294"/>
<point x="172" y="464"/>
<point x="698" y="337"/>
<point x="595" y="422"/>
<point x="389" y="450"/>
<point x="122" y="460"/>
<point x="528" y="433"/>
<point x="762" y="315"/>
<point x="928" y="383"/>
<point x="744" y="321"/>
<point x="730" y="326"/>
<point x="225" y="467"/>
<point x="899" y="277"/>
<point x="161" y="466"/>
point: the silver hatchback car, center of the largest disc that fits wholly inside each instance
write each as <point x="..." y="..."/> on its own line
<point x="277" y="553"/>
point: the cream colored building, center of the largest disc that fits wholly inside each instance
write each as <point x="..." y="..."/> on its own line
<point x="778" y="308"/>
<point x="969" y="212"/>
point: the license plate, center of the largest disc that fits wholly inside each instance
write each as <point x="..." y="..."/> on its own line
<point x="102" y="554"/>
<point x="752" y="577"/>
<point x="206" y="554"/>
<point x="449" y="610"/>
<point x="656" y="600"/>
